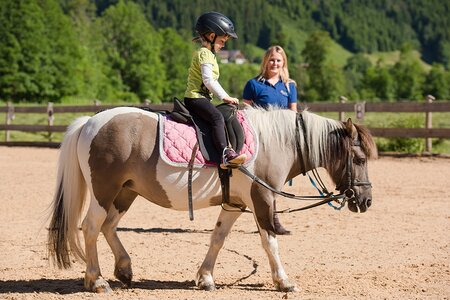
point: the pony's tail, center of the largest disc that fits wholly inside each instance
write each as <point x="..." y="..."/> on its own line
<point x="68" y="202"/>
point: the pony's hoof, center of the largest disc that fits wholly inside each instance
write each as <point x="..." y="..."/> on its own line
<point x="124" y="275"/>
<point x="207" y="287"/>
<point x="101" y="286"/>
<point x="287" y="287"/>
<point x="205" y="282"/>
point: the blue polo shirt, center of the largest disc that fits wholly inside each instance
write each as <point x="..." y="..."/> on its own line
<point x="262" y="93"/>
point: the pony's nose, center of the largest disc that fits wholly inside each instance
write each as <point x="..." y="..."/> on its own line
<point x="368" y="202"/>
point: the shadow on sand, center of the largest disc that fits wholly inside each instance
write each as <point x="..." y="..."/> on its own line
<point x="74" y="286"/>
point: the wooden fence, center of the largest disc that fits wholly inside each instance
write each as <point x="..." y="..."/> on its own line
<point x="357" y="110"/>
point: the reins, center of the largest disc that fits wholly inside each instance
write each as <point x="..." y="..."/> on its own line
<point x="326" y="197"/>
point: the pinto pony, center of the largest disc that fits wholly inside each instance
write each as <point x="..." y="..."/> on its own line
<point x="114" y="157"/>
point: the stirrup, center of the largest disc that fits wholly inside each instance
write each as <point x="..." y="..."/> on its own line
<point x="234" y="163"/>
<point x="228" y="165"/>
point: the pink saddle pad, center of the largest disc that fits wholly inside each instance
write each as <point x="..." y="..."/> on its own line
<point x="177" y="141"/>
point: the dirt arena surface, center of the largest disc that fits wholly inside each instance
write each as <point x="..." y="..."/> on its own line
<point x="399" y="249"/>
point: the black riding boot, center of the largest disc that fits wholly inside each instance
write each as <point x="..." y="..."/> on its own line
<point x="279" y="229"/>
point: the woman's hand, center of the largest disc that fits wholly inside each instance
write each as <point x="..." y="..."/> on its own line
<point x="231" y="100"/>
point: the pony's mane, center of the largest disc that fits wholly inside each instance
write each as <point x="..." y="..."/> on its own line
<point x="318" y="138"/>
<point x="278" y="126"/>
<point x="367" y="143"/>
<point x="323" y="134"/>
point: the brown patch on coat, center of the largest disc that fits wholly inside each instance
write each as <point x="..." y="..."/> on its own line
<point x="263" y="208"/>
<point x="123" y="156"/>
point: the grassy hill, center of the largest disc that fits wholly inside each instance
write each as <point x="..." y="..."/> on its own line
<point x="390" y="58"/>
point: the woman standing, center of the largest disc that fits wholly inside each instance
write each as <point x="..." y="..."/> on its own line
<point x="273" y="88"/>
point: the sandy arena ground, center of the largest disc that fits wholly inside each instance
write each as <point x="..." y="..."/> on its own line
<point x="399" y="249"/>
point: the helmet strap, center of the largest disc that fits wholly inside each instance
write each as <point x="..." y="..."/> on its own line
<point x="213" y="50"/>
<point x="211" y="43"/>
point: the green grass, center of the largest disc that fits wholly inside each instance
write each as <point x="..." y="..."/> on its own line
<point x="338" y="55"/>
<point x="38" y="119"/>
<point x="391" y="58"/>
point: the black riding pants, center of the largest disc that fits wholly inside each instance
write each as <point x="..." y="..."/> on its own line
<point x="203" y="108"/>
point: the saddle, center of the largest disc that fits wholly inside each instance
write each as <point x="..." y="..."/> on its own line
<point x="235" y="135"/>
<point x="233" y="128"/>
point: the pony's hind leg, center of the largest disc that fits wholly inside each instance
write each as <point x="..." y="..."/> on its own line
<point x="91" y="226"/>
<point x="122" y="267"/>
<point x="204" y="279"/>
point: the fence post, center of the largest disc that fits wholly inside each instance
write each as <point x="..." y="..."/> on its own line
<point x="9" y="118"/>
<point x="342" y="99"/>
<point x="429" y="124"/>
<point x="360" y="110"/>
<point x="50" y="118"/>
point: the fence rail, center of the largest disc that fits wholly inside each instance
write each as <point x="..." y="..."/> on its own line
<point x="359" y="109"/>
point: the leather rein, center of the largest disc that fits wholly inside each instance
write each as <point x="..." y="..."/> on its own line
<point x="326" y="196"/>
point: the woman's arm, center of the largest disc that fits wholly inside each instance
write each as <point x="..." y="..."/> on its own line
<point x="249" y="102"/>
<point x="248" y="94"/>
<point x="293" y="106"/>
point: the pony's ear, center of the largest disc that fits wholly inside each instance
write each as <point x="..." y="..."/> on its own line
<point x="351" y="130"/>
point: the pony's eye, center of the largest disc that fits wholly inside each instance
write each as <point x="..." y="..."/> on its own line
<point x="359" y="160"/>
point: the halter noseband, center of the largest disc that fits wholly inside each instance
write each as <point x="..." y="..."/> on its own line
<point x="351" y="181"/>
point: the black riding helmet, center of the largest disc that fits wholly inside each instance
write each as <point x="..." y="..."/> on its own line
<point x="215" y="22"/>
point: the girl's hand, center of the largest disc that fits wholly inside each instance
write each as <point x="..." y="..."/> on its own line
<point x="231" y="100"/>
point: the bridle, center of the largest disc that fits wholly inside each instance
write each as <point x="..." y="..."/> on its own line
<point x="351" y="180"/>
<point x="326" y="196"/>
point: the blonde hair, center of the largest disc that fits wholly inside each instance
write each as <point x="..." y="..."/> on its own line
<point x="284" y="74"/>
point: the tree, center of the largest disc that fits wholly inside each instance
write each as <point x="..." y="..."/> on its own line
<point x="176" y="57"/>
<point x="408" y="76"/>
<point x="132" y="49"/>
<point x="437" y="83"/>
<point x="233" y="77"/>
<point x="94" y="84"/>
<point x="378" y="83"/>
<point x="21" y="49"/>
<point x="33" y="60"/>
<point x="354" y="72"/>
<point x="325" y="80"/>
<point x="64" y="53"/>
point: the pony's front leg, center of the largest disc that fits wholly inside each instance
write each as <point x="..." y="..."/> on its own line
<point x="279" y="277"/>
<point x="204" y="279"/>
<point x="92" y="223"/>
<point x="263" y="213"/>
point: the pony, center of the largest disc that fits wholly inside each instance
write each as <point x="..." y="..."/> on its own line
<point x="114" y="156"/>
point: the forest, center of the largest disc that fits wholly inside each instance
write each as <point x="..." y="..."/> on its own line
<point x="70" y="51"/>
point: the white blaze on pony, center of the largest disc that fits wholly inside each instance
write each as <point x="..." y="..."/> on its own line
<point x="115" y="156"/>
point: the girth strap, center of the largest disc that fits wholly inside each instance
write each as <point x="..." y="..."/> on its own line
<point x="190" y="169"/>
<point x="224" y="175"/>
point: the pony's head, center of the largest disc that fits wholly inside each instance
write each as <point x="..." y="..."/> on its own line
<point x="351" y="174"/>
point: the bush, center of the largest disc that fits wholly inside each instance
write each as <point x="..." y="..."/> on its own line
<point x="405" y="145"/>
